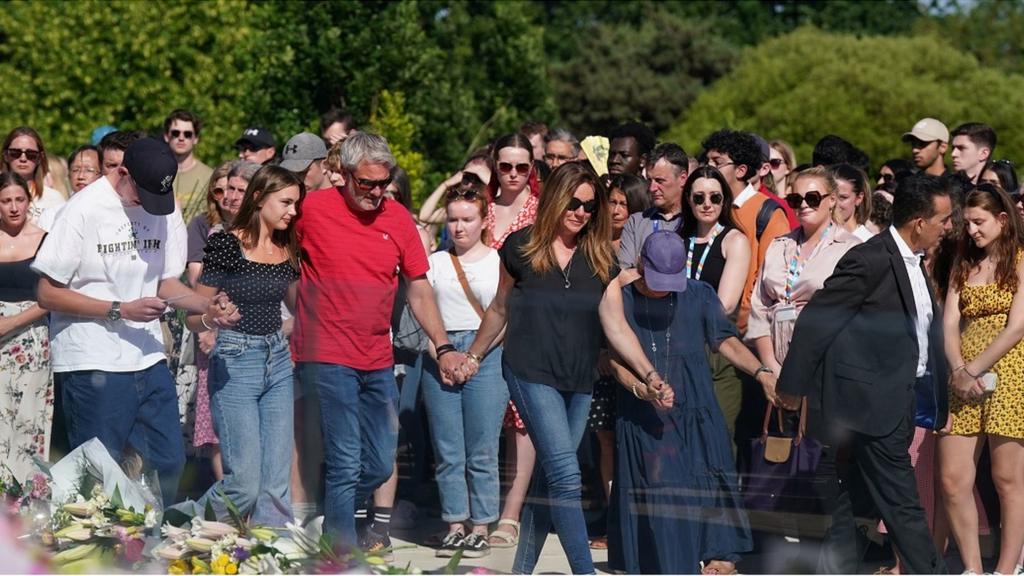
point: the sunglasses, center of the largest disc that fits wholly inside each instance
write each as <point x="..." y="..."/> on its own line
<point x="590" y="206"/>
<point x="15" y="153"/>
<point x="507" y="167"/>
<point x="551" y="157"/>
<point x="715" y="197"/>
<point x="776" y="163"/>
<point x="368" y="185"/>
<point x="218" y="191"/>
<point x="812" y="198"/>
<point x="178" y="133"/>
<point x="464" y="194"/>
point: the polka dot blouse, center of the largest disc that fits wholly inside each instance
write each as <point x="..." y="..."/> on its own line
<point x="257" y="289"/>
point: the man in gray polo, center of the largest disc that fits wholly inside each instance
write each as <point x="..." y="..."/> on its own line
<point x="304" y="155"/>
<point x="667" y="168"/>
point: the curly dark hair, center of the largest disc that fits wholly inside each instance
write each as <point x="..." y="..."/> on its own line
<point x="741" y="147"/>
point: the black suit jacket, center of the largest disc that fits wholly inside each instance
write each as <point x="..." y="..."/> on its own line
<point x="854" y="350"/>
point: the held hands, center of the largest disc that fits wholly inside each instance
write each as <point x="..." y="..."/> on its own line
<point x="767" y="381"/>
<point x="455" y="369"/>
<point x="966" y="386"/>
<point x="656" y="391"/>
<point x="222" y="312"/>
<point x="206" y="341"/>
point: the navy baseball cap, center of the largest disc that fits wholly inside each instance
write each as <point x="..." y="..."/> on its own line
<point x="152" y="166"/>
<point x="257" y="137"/>
<point x="664" y="262"/>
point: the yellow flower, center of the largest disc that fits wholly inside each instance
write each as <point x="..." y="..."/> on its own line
<point x="178" y="567"/>
<point x="220" y="565"/>
<point x="199" y="567"/>
<point x="231" y="568"/>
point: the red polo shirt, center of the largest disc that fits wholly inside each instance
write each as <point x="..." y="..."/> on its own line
<point x="350" y="266"/>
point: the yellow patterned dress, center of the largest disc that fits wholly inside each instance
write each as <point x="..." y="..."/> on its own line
<point x="985" y="309"/>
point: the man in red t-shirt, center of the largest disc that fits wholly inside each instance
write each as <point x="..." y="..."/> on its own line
<point x="354" y="244"/>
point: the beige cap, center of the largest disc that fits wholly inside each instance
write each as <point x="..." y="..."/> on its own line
<point x="928" y="130"/>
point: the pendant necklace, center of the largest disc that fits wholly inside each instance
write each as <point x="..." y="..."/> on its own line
<point x="668" y="331"/>
<point x="568" y="269"/>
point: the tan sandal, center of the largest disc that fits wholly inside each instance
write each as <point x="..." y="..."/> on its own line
<point x="503" y="538"/>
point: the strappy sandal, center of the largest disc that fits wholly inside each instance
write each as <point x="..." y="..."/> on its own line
<point x="599" y="543"/>
<point x="501" y="538"/>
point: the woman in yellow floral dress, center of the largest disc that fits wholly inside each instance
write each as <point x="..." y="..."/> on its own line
<point x="986" y="298"/>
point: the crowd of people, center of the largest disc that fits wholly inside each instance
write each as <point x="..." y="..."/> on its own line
<point x="657" y="300"/>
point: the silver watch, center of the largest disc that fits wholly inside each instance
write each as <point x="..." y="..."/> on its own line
<point x="114" y="314"/>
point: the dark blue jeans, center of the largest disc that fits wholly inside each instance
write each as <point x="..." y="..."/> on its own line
<point x="128" y="409"/>
<point x="555" y="421"/>
<point x="359" y="415"/>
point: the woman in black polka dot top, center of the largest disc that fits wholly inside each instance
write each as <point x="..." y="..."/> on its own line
<point x="255" y="262"/>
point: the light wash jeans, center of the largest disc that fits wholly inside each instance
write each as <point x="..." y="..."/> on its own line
<point x="555" y="421"/>
<point x="465" y="422"/>
<point x="250" y="383"/>
<point x="359" y="415"/>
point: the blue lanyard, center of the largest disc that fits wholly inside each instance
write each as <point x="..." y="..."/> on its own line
<point x="796" y="265"/>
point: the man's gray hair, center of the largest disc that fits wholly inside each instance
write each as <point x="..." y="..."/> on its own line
<point x="563" y="135"/>
<point x="244" y="169"/>
<point x="365" y="147"/>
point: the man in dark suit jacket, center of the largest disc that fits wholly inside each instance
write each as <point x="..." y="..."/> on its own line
<point x="860" y="348"/>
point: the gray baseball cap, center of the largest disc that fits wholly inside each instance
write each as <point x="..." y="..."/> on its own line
<point x="301" y="150"/>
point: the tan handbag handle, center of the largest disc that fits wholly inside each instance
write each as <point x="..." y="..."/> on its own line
<point x="465" y="285"/>
<point x="801" y="427"/>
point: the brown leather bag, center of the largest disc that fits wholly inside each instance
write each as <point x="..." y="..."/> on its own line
<point x="778" y="448"/>
<point x="465" y="285"/>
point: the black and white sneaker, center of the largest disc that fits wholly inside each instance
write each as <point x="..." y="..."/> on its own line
<point x="475" y="546"/>
<point x="451" y="543"/>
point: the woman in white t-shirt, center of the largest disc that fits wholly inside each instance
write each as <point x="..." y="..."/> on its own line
<point x="465" y="420"/>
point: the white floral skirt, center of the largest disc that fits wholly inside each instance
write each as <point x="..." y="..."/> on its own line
<point x="26" y="395"/>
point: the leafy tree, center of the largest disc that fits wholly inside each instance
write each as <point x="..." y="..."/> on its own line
<point x="868" y="90"/>
<point x="390" y="120"/>
<point x="988" y="29"/>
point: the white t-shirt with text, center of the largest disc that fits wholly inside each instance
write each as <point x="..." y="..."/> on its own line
<point x="102" y="249"/>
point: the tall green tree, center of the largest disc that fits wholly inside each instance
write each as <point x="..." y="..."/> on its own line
<point x="868" y="90"/>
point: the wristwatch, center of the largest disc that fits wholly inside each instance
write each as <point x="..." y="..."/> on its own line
<point x="114" y="314"/>
<point x="762" y="368"/>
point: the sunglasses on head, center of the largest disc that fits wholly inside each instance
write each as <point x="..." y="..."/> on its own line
<point x="506" y="167"/>
<point x="461" y="193"/>
<point x="590" y="206"/>
<point x="15" y="153"/>
<point x="776" y="163"/>
<point x="187" y="133"/>
<point x="812" y="198"/>
<point x="715" y="198"/>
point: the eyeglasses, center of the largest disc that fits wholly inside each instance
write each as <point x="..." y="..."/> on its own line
<point x="715" y="197"/>
<point x="590" y="206"/>
<point x="178" y="133"/>
<point x="776" y="163"/>
<point x="15" y="153"/>
<point x="550" y="157"/>
<point x="812" y="198"/>
<point x="368" y="185"/>
<point x="506" y="167"/>
<point x="719" y="165"/>
<point x="86" y="170"/>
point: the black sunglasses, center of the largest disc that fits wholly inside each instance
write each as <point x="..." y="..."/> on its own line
<point x="590" y="206"/>
<point x="461" y="193"/>
<point x="187" y="133"/>
<point x="715" y="197"/>
<point x="776" y="163"/>
<point x="367" y="185"/>
<point x="812" y="198"/>
<point x="15" y="153"/>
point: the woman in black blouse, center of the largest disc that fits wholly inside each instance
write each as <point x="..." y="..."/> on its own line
<point x="250" y="379"/>
<point x="556" y="292"/>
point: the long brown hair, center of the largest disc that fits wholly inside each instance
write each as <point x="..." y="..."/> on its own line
<point x="39" y="176"/>
<point x="268" y="180"/>
<point x="995" y="201"/>
<point x="213" y="216"/>
<point x="594" y="239"/>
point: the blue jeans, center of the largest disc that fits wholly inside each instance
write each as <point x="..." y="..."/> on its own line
<point x="555" y="421"/>
<point x="359" y="415"/>
<point x="465" y="422"/>
<point x="128" y="409"/>
<point x="250" y="384"/>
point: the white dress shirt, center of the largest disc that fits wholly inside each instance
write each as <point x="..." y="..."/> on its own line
<point x="922" y="299"/>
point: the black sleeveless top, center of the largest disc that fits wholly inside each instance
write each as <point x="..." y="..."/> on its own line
<point x="714" y="265"/>
<point x="18" y="282"/>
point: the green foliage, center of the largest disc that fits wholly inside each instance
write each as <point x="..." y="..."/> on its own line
<point x="391" y="121"/>
<point x="649" y="72"/>
<point x="868" y="90"/>
<point x="990" y="30"/>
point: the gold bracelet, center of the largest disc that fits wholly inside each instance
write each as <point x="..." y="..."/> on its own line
<point x="473" y="358"/>
<point x="202" y="319"/>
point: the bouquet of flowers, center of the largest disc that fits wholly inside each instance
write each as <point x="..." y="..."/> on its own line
<point x="18" y="496"/>
<point x="99" y="532"/>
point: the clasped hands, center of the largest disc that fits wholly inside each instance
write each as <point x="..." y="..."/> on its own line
<point x="656" y="391"/>
<point x="966" y="386"/>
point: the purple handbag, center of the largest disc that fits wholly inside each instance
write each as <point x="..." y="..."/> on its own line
<point x="782" y="468"/>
